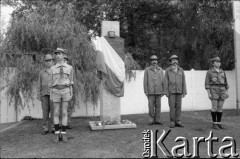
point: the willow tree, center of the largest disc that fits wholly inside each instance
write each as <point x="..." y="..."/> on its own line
<point x="40" y="30"/>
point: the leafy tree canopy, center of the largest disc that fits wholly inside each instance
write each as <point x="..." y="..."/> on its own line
<point x="194" y="30"/>
<point x="40" y="29"/>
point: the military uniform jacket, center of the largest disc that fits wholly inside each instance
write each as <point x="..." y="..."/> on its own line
<point x="174" y="82"/>
<point x="43" y="82"/>
<point x="55" y="79"/>
<point x="214" y="78"/>
<point x="153" y="81"/>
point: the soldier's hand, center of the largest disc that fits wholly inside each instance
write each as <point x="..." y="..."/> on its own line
<point x="71" y="97"/>
<point x="183" y="95"/>
<point x="210" y="96"/>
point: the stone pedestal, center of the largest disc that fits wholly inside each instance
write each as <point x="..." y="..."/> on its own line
<point x="109" y="106"/>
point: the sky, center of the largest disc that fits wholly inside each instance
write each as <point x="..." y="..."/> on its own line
<point x="5" y="17"/>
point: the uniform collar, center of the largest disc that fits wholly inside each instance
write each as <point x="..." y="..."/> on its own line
<point x="60" y="65"/>
<point x="157" y="67"/>
<point x="220" y="70"/>
<point x="46" y="70"/>
<point x="172" y="69"/>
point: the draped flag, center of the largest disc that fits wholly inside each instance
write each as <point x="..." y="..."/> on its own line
<point x="112" y="67"/>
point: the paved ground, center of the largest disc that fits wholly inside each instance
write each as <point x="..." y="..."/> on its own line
<point x="25" y="140"/>
<point x="6" y="126"/>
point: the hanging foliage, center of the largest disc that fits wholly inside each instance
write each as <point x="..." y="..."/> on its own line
<point x="40" y="30"/>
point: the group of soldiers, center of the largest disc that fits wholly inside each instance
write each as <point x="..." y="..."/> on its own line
<point x="55" y="91"/>
<point x="172" y="83"/>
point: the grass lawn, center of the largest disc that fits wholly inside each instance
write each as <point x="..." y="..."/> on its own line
<point x="25" y="140"/>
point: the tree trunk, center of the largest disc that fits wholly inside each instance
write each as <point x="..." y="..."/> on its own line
<point x="131" y="34"/>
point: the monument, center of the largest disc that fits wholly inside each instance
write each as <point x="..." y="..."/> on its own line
<point x="110" y="63"/>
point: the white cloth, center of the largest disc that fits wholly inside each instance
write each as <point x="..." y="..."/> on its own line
<point x="112" y="59"/>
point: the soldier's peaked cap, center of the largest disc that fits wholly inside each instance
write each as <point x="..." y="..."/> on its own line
<point x="216" y="59"/>
<point x="153" y="57"/>
<point x="174" y="57"/>
<point x="60" y="50"/>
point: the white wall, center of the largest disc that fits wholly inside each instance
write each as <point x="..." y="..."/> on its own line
<point x="34" y="109"/>
<point x="7" y="112"/>
<point x="134" y="100"/>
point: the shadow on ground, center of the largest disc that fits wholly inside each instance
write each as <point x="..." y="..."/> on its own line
<point x="25" y="140"/>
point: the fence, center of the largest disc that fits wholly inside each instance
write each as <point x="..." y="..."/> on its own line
<point x="133" y="102"/>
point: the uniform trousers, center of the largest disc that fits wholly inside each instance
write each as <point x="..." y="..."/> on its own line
<point x="154" y="106"/>
<point x="175" y="104"/>
<point x="47" y="109"/>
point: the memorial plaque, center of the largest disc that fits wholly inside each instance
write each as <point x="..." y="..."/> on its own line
<point x="110" y="26"/>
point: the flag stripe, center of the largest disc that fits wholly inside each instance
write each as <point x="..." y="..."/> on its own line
<point x="112" y="59"/>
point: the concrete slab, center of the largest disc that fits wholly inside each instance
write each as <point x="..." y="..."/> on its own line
<point x="99" y="125"/>
<point x="7" y="126"/>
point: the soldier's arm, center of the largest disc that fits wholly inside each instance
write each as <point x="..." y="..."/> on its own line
<point x="207" y="85"/>
<point x="184" y="84"/>
<point x="39" y="86"/>
<point x="71" y="81"/>
<point x="50" y="85"/>
<point x="207" y="81"/>
<point x="165" y="83"/>
<point x="227" y="86"/>
<point x="209" y="94"/>
<point x="145" y="82"/>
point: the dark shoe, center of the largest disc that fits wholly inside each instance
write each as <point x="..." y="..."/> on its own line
<point x="179" y="125"/>
<point x="64" y="138"/>
<point x="221" y="126"/>
<point x="172" y="125"/>
<point x="57" y="138"/>
<point x="150" y="123"/>
<point x="69" y="127"/>
<point x="45" y="132"/>
<point x="60" y="137"/>
<point x="215" y="126"/>
<point x="158" y="123"/>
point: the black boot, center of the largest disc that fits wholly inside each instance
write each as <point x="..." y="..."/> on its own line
<point x="64" y="134"/>
<point x="56" y="126"/>
<point x="214" y="119"/>
<point x="57" y="132"/>
<point x="219" y="119"/>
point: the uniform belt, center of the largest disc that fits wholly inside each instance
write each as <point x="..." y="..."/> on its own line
<point x="60" y="86"/>
<point x="218" y="85"/>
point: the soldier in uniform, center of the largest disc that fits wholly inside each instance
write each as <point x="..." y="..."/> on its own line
<point x="44" y="96"/>
<point x="175" y="89"/>
<point x="153" y="88"/>
<point x="70" y="104"/>
<point x="216" y="85"/>
<point x="61" y="84"/>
